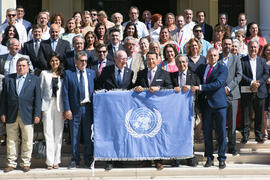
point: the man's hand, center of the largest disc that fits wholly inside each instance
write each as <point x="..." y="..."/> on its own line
<point x="177" y="89"/>
<point x="268" y="81"/>
<point x="3" y="119"/>
<point x="227" y="91"/>
<point x="68" y="115"/>
<point x="255" y="85"/>
<point x="154" y="89"/>
<point x="185" y="88"/>
<point x="139" y="89"/>
<point x="195" y="88"/>
<point x="36" y="120"/>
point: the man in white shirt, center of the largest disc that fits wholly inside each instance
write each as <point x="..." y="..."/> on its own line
<point x="133" y="17"/>
<point x="11" y="16"/>
<point x="43" y="20"/>
<point x="242" y="24"/>
<point x="117" y="19"/>
<point x="188" y="14"/>
<point x="20" y="15"/>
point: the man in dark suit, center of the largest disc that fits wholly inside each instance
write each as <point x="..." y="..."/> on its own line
<point x="54" y="44"/>
<point x="155" y="79"/>
<point x="253" y="91"/>
<point x="214" y="76"/>
<point x="31" y="48"/>
<point x="117" y="76"/>
<point x="207" y="30"/>
<point x="20" y="108"/>
<point x="233" y="64"/>
<point x="78" y="45"/>
<point x="115" y="43"/>
<point x="78" y="88"/>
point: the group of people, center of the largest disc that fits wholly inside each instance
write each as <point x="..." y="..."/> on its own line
<point x="51" y="73"/>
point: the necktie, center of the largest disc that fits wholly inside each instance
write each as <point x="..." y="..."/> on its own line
<point x="20" y="84"/>
<point x="100" y="68"/>
<point x="182" y="79"/>
<point x="179" y="36"/>
<point x="54" y="45"/>
<point x="36" y="47"/>
<point x="150" y="77"/>
<point x="82" y="86"/>
<point x="119" y="79"/>
<point x="208" y="74"/>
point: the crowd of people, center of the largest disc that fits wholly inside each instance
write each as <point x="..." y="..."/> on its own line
<point x="50" y="70"/>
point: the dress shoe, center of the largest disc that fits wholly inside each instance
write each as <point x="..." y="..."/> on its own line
<point x="159" y="166"/>
<point x="259" y="140"/>
<point x="222" y="164"/>
<point x="108" y="167"/>
<point x="233" y="152"/>
<point x="176" y="163"/>
<point x="26" y="168"/>
<point x="72" y="165"/>
<point x="244" y="140"/>
<point x="193" y="162"/>
<point x="209" y="163"/>
<point x="8" y="169"/>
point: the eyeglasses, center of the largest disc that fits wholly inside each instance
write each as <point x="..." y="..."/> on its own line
<point x="13" y="15"/>
<point x="198" y="31"/>
<point x="102" y="51"/>
<point x="82" y="61"/>
<point x="93" y="14"/>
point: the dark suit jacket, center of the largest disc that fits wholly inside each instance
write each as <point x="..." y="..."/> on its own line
<point x="214" y="90"/>
<point x="208" y="35"/>
<point x="45" y="49"/>
<point x="110" y="55"/>
<point x="107" y="79"/>
<point x="28" y="49"/>
<point x="262" y="73"/>
<point x="71" y="89"/>
<point x="162" y="79"/>
<point x="191" y="79"/>
<point x="234" y="75"/>
<point x="70" y="57"/>
<point x="94" y="65"/>
<point x="28" y="102"/>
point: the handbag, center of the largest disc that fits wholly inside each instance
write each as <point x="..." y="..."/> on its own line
<point x="39" y="148"/>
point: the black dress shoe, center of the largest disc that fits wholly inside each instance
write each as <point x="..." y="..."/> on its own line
<point x="176" y="163"/>
<point x="193" y="162"/>
<point x="259" y="140"/>
<point x="209" y="163"/>
<point x="222" y="164"/>
<point x="73" y="165"/>
<point x="108" y="167"/>
<point x="233" y="152"/>
<point x="244" y="140"/>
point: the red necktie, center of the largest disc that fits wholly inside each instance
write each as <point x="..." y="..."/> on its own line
<point x="208" y="74"/>
<point x="100" y="68"/>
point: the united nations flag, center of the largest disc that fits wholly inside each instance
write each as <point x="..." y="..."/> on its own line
<point x="135" y="126"/>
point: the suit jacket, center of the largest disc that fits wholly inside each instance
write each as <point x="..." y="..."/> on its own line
<point x="262" y="73"/>
<point x="69" y="58"/>
<point x="26" y="24"/>
<point x="28" y="102"/>
<point x="108" y="81"/>
<point x="94" y="65"/>
<point x="137" y="65"/>
<point x="28" y="49"/>
<point x="214" y="90"/>
<point x="162" y="79"/>
<point x="45" y="49"/>
<point x="186" y="36"/>
<point x="234" y="75"/>
<point x="71" y="89"/>
<point x="3" y="59"/>
<point x="47" y="91"/>
<point x="110" y="55"/>
<point x="208" y="34"/>
<point x="191" y="79"/>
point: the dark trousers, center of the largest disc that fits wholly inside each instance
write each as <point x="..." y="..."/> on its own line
<point x="247" y="101"/>
<point x="231" y="117"/>
<point x="219" y="116"/>
<point x="83" y="118"/>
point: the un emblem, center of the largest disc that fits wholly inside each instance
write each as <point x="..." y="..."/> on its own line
<point x="143" y="122"/>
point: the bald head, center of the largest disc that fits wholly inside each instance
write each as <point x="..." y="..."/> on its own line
<point x="120" y="59"/>
<point x="55" y="31"/>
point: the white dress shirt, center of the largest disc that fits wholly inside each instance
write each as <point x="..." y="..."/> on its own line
<point x="116" y="73"/>
<point x="87" y="97"/>
<point x="182" y="81"/>
<point x="10" y="64"/>
<point x="253" y="67"/>
<point x="151" y="74"/>
<point x="141" y="28"/>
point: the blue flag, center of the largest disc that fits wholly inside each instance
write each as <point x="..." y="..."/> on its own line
<point x="135" y="126"/>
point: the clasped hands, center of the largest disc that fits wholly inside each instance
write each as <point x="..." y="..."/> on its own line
<point x="254" y="85"/>
<point x="151" y="89"/>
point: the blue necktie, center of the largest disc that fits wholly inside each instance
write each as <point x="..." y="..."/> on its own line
<point x="20" y="84"/>
<point x="119" y="80"/>
<point x="82" y="86"/>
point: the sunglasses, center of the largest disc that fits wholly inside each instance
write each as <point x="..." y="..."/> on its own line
<point x="11" y="15"/>
<point x="102" y="51"/>
<point x="198" y="31"/>
<point x="82" y="61"/>
<point x="93" y="14"/>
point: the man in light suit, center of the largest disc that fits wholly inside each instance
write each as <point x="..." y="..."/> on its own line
<point x="135" y="61"/>
<point x="155" y="79"/>
<point x="78" y="88"/>
<point x="8" y="61"/>
<point x="253" y="91"/>
<point x="213" y="77"/>
<point x="234" y="66"/>
<point x="20" y="108"/>
<point x="53" y="44"/>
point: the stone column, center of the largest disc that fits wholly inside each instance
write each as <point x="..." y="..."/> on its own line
<point x="264" y="18"/>
<point x="4" y="5"/>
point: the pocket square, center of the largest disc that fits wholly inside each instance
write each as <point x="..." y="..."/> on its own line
<point x="159" y="80"/>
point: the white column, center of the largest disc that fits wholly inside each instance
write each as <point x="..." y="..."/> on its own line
<point x="264" y="18"/>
